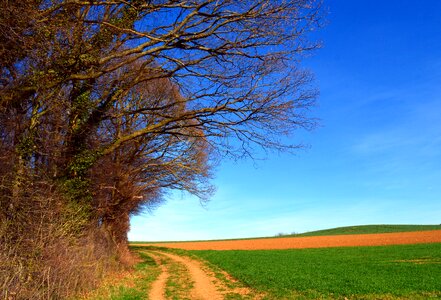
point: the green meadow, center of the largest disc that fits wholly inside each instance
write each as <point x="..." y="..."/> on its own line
<point x="368" y="229"/>
<point x="385" y="272"/>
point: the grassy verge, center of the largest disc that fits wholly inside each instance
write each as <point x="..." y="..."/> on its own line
<point x="387" y="272"/>
<point x="131" y="285"/>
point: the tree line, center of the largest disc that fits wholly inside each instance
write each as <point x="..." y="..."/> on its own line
<point x="105" y="105"/>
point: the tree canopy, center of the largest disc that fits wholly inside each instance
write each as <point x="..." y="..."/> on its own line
<point x="107" y="104"/>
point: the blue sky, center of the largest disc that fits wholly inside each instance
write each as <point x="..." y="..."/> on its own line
<point x="375" y="159"/>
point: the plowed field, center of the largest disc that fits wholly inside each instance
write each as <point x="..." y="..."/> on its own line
<point x="417" y="237"/>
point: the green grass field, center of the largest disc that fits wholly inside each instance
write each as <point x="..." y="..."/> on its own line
<point x="133" y="286"/>
<point x="366" y="229"/>
<point x="386" y="272"/>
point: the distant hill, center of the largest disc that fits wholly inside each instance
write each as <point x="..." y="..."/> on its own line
<point x="365" y="229"/>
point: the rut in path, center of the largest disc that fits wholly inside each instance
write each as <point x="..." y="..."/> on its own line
<point x="158" y="287"/>
<point x="205" y="285"/>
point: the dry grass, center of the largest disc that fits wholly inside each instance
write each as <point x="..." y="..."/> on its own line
<point x="60" y="269"/>
<point x="42" y="257"/>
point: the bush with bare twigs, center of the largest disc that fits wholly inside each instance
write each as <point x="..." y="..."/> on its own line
<point x="107" y="105"/>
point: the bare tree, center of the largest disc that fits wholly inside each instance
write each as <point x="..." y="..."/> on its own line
<point x="107" y="104"/>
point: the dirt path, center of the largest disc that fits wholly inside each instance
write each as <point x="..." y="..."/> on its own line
<point x="416" y="237"/>
<point x="204" y="284"/>
<point x="204" y="287"/>
<point x="158" y="287"/>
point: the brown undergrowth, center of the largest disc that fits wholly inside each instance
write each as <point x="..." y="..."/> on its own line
<point x="43" y="257"/>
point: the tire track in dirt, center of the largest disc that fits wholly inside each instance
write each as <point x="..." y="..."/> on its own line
<point x="204" y="287"/>
<point x="157" y="291"/>
<point x="416" y="237"/>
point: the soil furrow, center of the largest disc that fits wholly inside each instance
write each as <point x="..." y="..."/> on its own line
<point x="416" y="237"/>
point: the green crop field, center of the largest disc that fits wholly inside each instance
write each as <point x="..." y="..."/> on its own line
<point x="386" y="272"/>
<point x="364" y="229"/>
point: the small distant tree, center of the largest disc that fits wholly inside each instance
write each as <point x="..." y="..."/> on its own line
<point x="106" y="105"/>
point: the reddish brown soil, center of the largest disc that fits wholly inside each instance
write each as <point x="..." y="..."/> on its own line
<point x="417" y="237"/>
